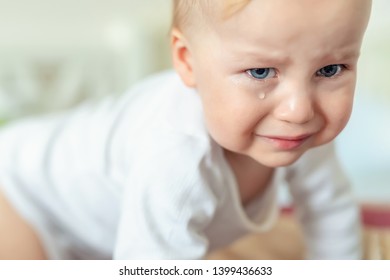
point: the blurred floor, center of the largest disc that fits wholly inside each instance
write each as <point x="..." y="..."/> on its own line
<point x="285" y="240"/>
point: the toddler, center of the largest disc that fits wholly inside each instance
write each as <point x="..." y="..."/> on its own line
<point x="189" y="161"/>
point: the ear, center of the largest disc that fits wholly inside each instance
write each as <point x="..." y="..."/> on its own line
<point x="182" y="58"/>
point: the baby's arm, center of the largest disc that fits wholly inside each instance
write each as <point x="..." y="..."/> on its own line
<point x="325" y="206"/>
<point x="166" y="206"/>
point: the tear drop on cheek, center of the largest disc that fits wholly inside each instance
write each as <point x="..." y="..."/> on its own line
<point x="262" y="95"/>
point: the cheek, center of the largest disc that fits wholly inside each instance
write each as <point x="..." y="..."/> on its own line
<point x="231" y="116"/>
<point x="337" y="112"/>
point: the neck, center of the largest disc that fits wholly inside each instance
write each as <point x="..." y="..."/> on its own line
<point x="251" y="176"/>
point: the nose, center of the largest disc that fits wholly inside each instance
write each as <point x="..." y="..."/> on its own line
<point x="295" y="105"/>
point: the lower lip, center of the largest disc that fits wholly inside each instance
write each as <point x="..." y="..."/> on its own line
<point x="285" y="144"/>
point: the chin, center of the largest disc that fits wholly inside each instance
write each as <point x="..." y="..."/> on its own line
<point x="278" y="160"/>
<point x="276" y="164"/>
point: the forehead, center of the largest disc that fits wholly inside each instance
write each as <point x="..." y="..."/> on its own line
<point x="294" y="11"/>
<point x="284" y="22"/>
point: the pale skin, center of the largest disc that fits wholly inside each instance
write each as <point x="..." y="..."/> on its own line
<point x="274" y="82"/>
<point x="18" y="240"/>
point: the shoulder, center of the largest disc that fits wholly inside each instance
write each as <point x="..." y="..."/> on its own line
<point x="181" y="164"/>
<point x="173" y="155"/>
<point x="158" y="82"/>
<point x="163" y="115"/>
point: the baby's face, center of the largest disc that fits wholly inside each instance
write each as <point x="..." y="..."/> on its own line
<point x="278" y="77"/>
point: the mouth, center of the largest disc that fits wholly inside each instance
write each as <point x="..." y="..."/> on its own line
<point x="286" y="142"/>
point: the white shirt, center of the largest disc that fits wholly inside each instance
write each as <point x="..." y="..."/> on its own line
<point x="139" y="178"/>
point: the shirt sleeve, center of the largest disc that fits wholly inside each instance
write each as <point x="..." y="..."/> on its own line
<point x="325" y="206"/>
<point x="167" y="205"/>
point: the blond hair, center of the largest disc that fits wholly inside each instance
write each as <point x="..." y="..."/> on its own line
<point x="187" y="13"/>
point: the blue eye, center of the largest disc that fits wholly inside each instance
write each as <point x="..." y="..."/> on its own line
<point x="262" y="73"/>
<point x="330" y="70"/>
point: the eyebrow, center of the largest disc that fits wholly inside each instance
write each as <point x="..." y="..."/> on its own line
<point x="342" y="55"/>
<point x="263" y="56"/>
<point x="271" y="57"/>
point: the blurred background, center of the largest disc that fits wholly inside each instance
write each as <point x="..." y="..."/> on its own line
<point x="56" y="53"/>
